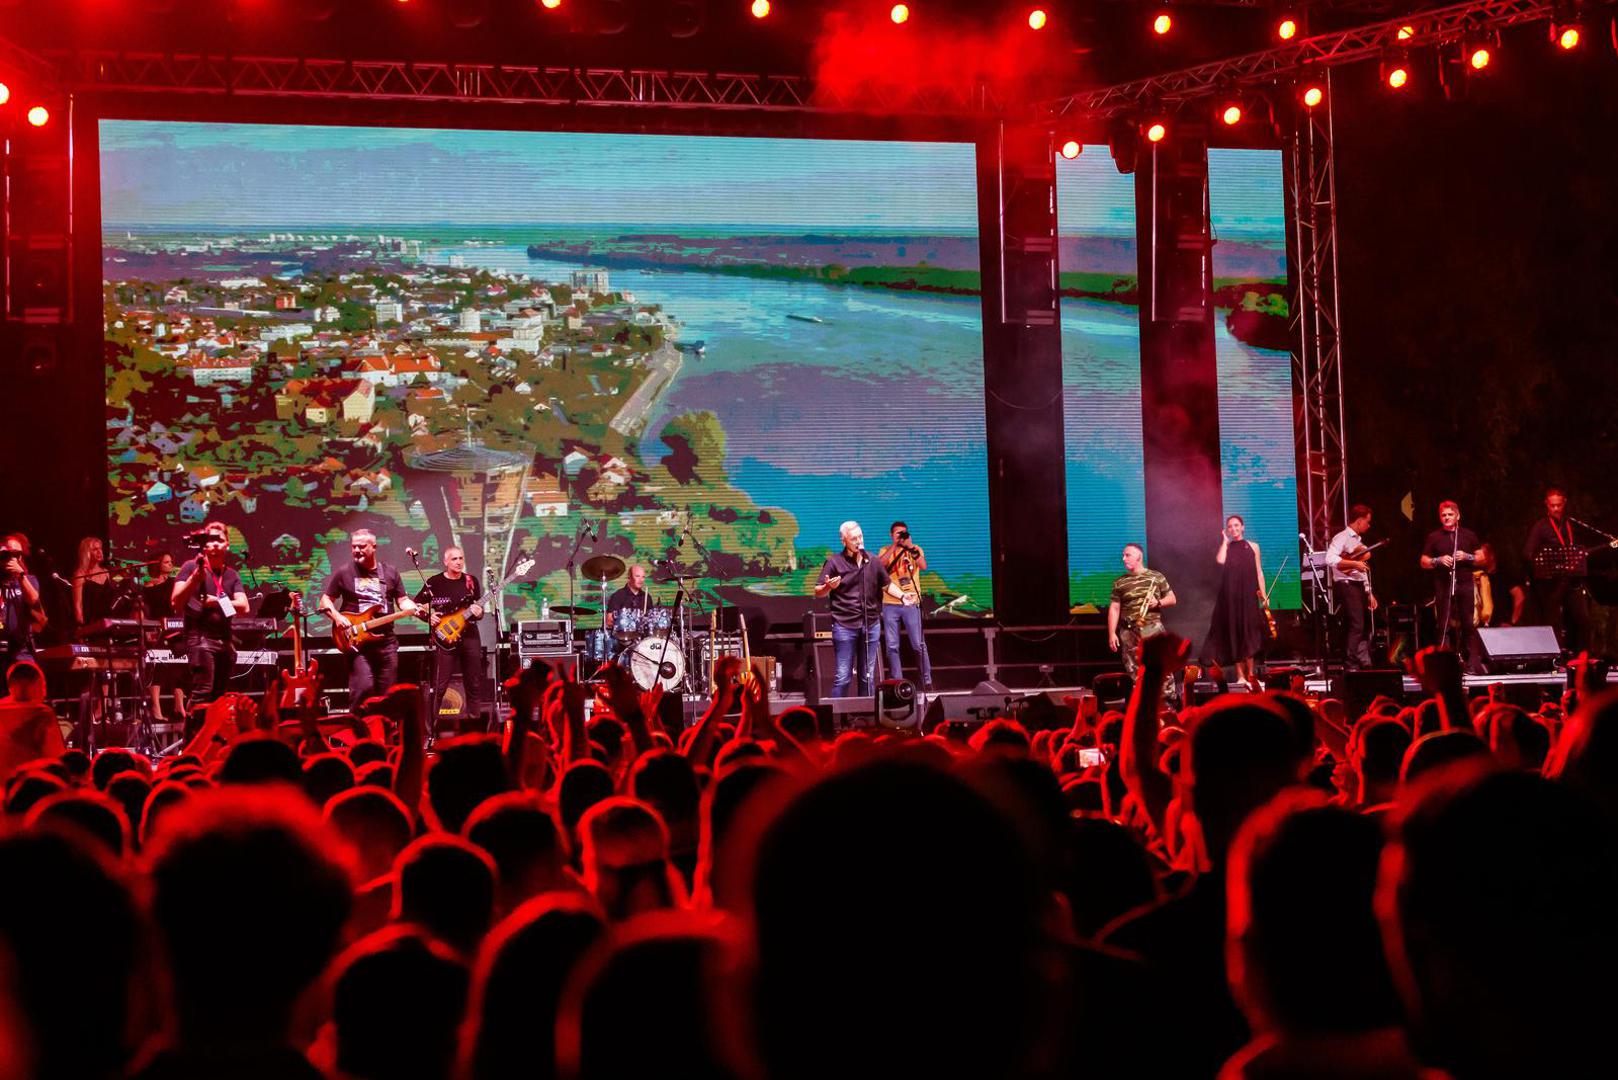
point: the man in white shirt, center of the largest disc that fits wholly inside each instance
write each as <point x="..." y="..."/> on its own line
<point x="1350" y="567"/>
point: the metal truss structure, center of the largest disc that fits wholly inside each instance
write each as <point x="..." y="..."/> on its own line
<point x="1317" y="380"/>
<point x="399" y="80"/>
<point x="1322" y="51"/>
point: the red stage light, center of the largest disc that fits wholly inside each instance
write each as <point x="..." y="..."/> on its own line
<point x="1406" y="32"/>
<point x="1568" y="37"/>
<point x="1156" y="131"/>
<point x="1231" y="114"/>
<point x="1163" y="23"/>
<point x="551" y="5"/>
<point x="39" y="116"/>
<point x="899" y="13"/>
<point x="1313" y="95"/>
<point x="1287" y="28"/>
<point x="761" y="8"/>
<point x="5" y="93"/>
<point x="1478" y="57"/>
<point x="1072" y="149"/>
<point x="1397" y="76"/>
<point x="1036" y="19"/>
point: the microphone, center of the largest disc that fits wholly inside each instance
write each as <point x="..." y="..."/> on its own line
<point x="59" y="578"/>
<point x="410" y="551"/>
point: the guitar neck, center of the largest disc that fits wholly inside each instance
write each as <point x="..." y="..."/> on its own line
<point x="381" y="620"/>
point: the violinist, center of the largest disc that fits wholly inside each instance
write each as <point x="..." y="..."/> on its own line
<point x="1236" y="632"/>
<point x="1349" y="562"/>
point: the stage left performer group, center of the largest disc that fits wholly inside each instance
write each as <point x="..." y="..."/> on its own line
<point x="367" y="586"/>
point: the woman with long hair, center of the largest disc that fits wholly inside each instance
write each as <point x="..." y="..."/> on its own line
<point x="92" y="585"/>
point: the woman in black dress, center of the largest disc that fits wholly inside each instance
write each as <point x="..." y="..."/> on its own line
<point x="92" y="584"/>
<point x="1236" y="633"/>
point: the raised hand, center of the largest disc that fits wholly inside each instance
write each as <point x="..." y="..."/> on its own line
<point x="1164" y="653"/>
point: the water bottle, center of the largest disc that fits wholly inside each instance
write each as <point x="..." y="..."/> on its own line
<point x="544" y="608"/>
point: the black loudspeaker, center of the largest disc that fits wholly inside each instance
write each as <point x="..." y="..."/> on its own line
<point x="1519" y="648"/>
<point x="1357" y="689"/>
<point x="822" y="658"/>
<point x="452" y="703"/>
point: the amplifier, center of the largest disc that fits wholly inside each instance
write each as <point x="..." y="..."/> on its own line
<point x="544" y="637"/>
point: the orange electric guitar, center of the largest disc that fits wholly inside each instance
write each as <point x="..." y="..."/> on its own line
<point x="447" y="631"/>
<point x="299" y="684"/>
<point x="351" y="629"/>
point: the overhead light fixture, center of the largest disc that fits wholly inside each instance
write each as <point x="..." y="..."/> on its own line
<point x="1162" y="23"/>
<point x="1395" y="69"/>
<point x="1155" y="130"/>
<point x="1037" y="19"/>
<point x="1072" y="149"/>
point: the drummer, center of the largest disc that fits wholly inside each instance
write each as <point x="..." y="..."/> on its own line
<point x="632" y="597"/>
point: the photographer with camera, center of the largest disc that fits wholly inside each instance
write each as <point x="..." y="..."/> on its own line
<point x="210" y="594"/>
<point x="22" y="612"/>
<point x="901" y="601"/>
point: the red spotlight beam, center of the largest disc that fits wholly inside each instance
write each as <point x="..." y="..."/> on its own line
<point x="1437" y="26"/>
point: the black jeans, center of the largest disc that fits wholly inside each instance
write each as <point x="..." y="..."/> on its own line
<point x="373" y="669"/>
<point x="1565" y="605"/>
<point x="211" y="661"/>
<point x="1463" y="633"/>
<point x="1356" y="608"/>
<point x="466" y="656"/>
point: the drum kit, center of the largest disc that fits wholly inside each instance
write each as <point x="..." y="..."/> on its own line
<point x="650" y="642"/>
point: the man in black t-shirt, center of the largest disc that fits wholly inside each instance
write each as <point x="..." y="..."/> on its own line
<point x="22" y="612"/>
<point x="366" y="583"/>
<point x="854" y="580"/>
<point x="1560" y="592"/>
<point x="632" y="597"/>
<point x="1450" y="553"/>
<point x="210" y="594"/>
<point x="444" y="594"/>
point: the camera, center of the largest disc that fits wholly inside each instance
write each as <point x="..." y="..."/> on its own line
<point x="8" y="556"/>
<point x="197" y="540"/>
<point x="904" y="534"/>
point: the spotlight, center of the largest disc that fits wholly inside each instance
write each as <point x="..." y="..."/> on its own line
<point x="39" y="116"/>
<point x="1567" y="37"/>
<point x="1405" y="32"/>
<point x="1156" y="131"/>
<point x="761" y="8"/>
<point x="1287" y="25"/>
<point x="5" y="93"/>
<point x="1231" y="113"/>
<point x="1478" y="55"/>
<point x="1037" y="19"/>
<point x="1567" y="23"/>
<point x="551" y="5"/>
<point x="1313" y="94"/>
<point x="1163" y="23"/>
<point x="1072" y="149"/>
<point x="1395" y="69"/>
<point x="899" y="13"/>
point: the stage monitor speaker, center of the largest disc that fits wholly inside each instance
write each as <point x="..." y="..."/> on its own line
<point x="1519" y="648"/>
<point x="1357" y="689"/>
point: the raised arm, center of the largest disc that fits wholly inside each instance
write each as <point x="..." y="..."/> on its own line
<point x="726" y="672"/>
<point x="1161" y="656"/>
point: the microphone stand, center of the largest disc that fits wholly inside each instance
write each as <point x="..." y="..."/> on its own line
<point x="432" y="652"/>
<point x="1454" y="581"/>
<point x="496" y="604"/>
<point x="1322" y="592"/>
<point x="573" y="577"/>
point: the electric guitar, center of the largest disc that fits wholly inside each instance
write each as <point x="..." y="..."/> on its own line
<point x="298" y="685"/>
<point x="447" y="632"/>
<point x="351" y="629"/>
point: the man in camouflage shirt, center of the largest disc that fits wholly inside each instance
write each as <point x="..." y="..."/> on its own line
<point x="1135" y="613"/>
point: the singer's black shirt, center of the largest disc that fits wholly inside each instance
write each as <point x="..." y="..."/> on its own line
<point x="1443" y="542"/>
<point x="860" y="589"/>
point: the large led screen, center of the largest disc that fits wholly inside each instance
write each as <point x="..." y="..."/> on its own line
<point x="713" y="350"/>
<point x="1101" y="363"/>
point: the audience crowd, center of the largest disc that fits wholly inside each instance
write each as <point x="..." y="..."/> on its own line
<point x="1257" y="886"/>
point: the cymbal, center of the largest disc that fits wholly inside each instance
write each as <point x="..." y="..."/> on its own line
<point x="566" y="609"/>
<point x="603" y="567"/>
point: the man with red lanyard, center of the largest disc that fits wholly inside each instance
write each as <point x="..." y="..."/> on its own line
<point x="1560" y="595"/>
<point x="210" y="594"/>
<point x="901" y="602"/>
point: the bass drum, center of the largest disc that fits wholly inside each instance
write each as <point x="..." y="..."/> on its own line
<point x="656" y="660"/>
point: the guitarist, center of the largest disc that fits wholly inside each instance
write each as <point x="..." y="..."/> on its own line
<point x="362" y="585"/>
<point x="210" y="594"/>
<point x="1562" y="599"/>
<point x="445" y="593"/>
<point x="1350" y="566"/>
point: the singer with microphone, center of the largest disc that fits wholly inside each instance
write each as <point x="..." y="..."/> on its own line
<point x="22" y="611"/>
<point x="855" y="582"/>
<point x="211" y="594"/>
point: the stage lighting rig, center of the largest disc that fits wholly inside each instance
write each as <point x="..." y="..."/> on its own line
<point x="1478" y="49"/>
<point x="1394" y="70"/>
<point x="899" y="13"/>
<point x="1162" y="23"/>
<point x="760" y="9"/>
<point x="1311" y="88"/>
<point x="1155" y="130"/>
<point x="1231" y="111"/>
<point x="1037" y="19"/>
<point x="1287" y="21"/>
<point x="1568" y="21"/>
<point x="39" y="116"/>
<point x="1072" y="149"/>
<point x="5" y="94"/>
<point x="550" y="5"/>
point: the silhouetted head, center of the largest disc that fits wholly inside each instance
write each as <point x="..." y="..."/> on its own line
<point x="261" y="758"/>
<point x="1586" y="755"/>
<point x="1498" y="889"/>
<point x="1437" y="750"/>
<point x="1108" y="873"/>
<point x="109" y="763"/>
<point x="665" y="781"/>
<point x="159" y="802"/>
<point x="848" y="884"/>
<point x="249" y="893"/>
<point x="326" y="775"/>
<point x="69" y="930"/>
<point x="524" y="965"/>
<point x="94" y="816"/>
<point x="130" y="792"/>
<point x="659" y="969"/>
<point x="376" y="823"/>
<point x="446" y="886"/>
<point x="1243" y="753"/>
<point x="524" y="842"/>
<point x="625" y="858"/>
<point x="1304" y="951"/>
<point x="468" y="770"/>
<point x="1379" y="747"/>
<point x="584" y="783"/>
<point x="723" y="800"/>
<point x="398" y="998"/>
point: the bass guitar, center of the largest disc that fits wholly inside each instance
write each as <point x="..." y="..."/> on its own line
<point x="449" y="629"/>
<point x="351" y="629"/>
<point x="298" y="685"/>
